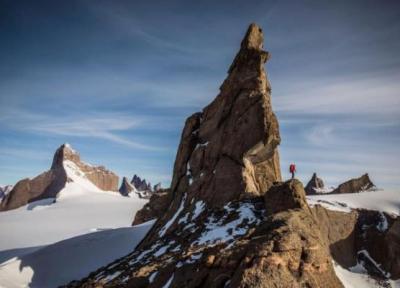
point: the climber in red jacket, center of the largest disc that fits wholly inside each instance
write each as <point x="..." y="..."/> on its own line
<point x="292" y="169"/>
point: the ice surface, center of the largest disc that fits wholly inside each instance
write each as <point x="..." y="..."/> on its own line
<point x="31" y="234"/>
<point x="70" y="259"/>
<point x="357" y="278"/>
<point x="381" y="200"/>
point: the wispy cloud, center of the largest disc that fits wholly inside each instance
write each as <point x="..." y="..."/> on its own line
<point x="24" y="153"/>
<point x="378" y="95"/>
<point x="320" y="135"/>
<point x="126" y="23"/>
<point x="102" y="126"/>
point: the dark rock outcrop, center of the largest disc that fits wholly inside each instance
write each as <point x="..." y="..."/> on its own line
<point x="141" y="184"/>
<point x="313" y="185"/>
<point x="157" y="187"/>
<point x="155" y="208"/>
<point x="126" y="187"/>
<point x="4" y="190"/>
<point x="390" y="256"/>
<point x="355" y="185"/>
<point x="49" y="183"/>
<point x="230" y="222"/>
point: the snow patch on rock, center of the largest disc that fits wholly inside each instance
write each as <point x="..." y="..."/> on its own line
<point x="172" y="220"/>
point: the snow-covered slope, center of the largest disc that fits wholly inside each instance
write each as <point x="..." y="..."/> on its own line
<point x="76" y="213"/>
<point x="381" y="200"/>
<point x="71" y="259"/>
<point x="359" y="279"/>
<point x="80" y="208"/>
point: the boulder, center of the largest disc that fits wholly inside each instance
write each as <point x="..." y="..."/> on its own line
<point x="314" y="185"/>
<point x="284" y="196"/>
<point x="355" y="185"/>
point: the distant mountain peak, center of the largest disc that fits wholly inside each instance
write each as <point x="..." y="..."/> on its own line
<point x="66" y="167"/>
<point x="65" y="152"/>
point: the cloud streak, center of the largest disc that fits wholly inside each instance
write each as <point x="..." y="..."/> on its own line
<point x="101" y="126"/>
<point x="368" y="96"/>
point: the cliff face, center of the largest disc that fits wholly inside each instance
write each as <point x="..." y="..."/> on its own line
<point x="155" y="208"/>
<point x="229" y="150"/>
<point x="49" y="183"/>
<point x="370" y="239"/>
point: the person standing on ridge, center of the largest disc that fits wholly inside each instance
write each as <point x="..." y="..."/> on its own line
<point x="292" y="169"/>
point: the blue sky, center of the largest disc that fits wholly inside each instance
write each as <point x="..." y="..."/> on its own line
<point x="117" y="79"/>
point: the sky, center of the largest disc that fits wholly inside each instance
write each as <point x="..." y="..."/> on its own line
<point x="117" y="79"/>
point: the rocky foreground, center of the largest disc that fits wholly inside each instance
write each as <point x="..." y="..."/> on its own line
<point x="231" y="221"/>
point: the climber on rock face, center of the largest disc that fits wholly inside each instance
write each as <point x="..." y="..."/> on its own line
<point x="292" y="169"/>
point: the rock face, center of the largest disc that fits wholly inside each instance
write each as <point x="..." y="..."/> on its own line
<point x="98" y="175"/>
<point x="126" y="187"/>
<point x="49" y="183"/>
<point x="229" y="222"/>
<point x="218" y="159"/>
<point x="314" y="185"/>
<point x="355" y="185"/>
<point x="290" y="251"/>
<point x="155" y="208"/>
<point x="285" y="196"/>
<point x="392" y="249"/>
<point x="370" y="239"/>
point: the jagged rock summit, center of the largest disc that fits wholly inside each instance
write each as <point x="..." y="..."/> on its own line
<point x="355" y="185"/>
<point x="141" y="184"/>
<point x="126" y="187"/>
<point x="65" y="167"/>
<point x="229" y="150"/>
<point x="315" y="185"/>
<point x="230" y="221"/>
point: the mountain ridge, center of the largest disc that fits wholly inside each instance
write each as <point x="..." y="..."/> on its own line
<point x="49" y="183"/>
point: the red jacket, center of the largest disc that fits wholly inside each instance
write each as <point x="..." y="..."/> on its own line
<point x="292" y="168"/>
